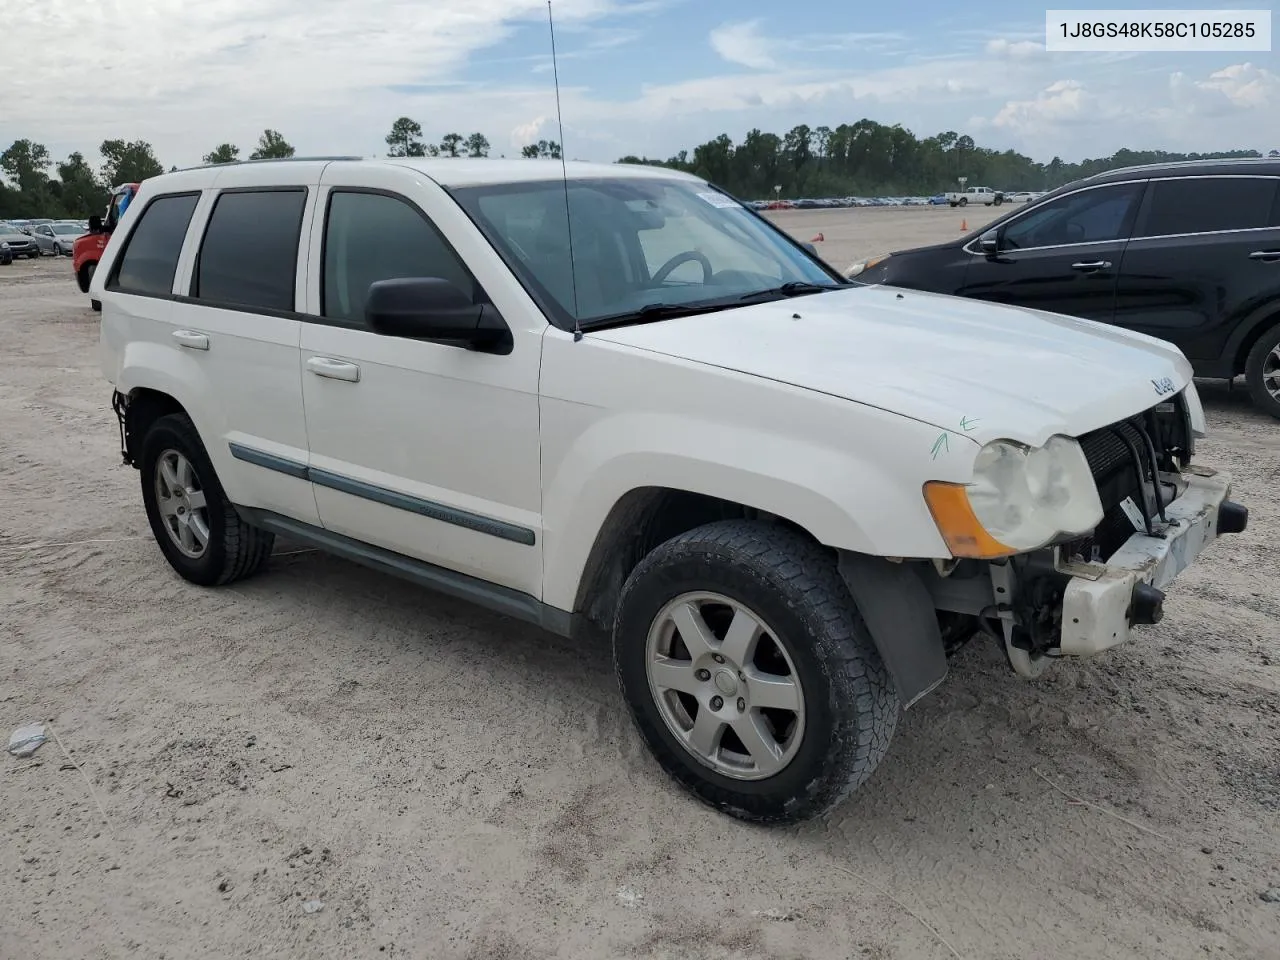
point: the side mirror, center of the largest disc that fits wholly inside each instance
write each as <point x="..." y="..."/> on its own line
<point x="990" y="242"/>
<point x="429" y="308"/>
<point x="95" y="224"/>
<point x="810" y="247"/>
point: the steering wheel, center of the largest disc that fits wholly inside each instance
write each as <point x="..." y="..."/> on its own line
<point x="665" y="270"/>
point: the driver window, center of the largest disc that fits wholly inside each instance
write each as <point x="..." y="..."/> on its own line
<point x="1090" y="216"/>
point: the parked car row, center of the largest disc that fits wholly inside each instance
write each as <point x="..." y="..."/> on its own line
<point x="816" y="203"/>
<point x="34" y="238"/>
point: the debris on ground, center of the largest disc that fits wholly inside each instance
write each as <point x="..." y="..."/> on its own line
<point x="313" y="906"/>
<point x="1270" y="896"/>
<point x="628" y="896"/>
<point x="780" y="916"/>
<point x="25" y="741"/>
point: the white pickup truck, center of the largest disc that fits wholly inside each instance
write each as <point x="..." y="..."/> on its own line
<point x="782" y="497"/>
<point x="983" y="195"/>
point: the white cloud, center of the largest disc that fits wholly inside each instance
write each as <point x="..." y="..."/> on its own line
<point x="742" y="43"/>
<point x="189" y="75"/>
<point x="1241" y="86"/>
<point x="531" y="132"/>
<point x="1063" y="101"/>
<point x="1014" y="49"/>
<point x="331" y="76"/>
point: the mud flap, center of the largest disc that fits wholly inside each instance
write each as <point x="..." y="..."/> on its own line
<point x="899" y="613"/>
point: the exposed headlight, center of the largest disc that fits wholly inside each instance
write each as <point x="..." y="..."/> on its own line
<point x="1021" y="498"/>
<point x="861" y="265"/>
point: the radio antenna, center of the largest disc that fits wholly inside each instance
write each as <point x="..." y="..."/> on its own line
<point x="564" y="177"/>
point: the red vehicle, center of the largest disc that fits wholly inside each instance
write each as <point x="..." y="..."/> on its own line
<point x="87" y="250"/>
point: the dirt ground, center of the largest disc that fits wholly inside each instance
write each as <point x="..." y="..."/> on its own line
<point x="452" y="784"/>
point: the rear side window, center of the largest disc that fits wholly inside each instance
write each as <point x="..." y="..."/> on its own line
<point x="370" y="237"/>
<point x="249" y="257"/>
<point x="1206" y="204"/>
<point x="151" y="253"/>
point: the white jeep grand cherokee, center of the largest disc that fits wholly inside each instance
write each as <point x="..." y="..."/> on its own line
<point x="785" y="497"/>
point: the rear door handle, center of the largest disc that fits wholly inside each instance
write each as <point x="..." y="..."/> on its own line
<point x="1092" y="265"/>
<point x="1266" y="256"/>
<point x="191" y="339"/>
<point x="334" y="369"/>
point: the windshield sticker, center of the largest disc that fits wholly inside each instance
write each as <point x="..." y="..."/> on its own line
<point x="720" y="200"/>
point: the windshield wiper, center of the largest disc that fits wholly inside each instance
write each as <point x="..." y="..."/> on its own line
<point x="795" y="288"/>
<point x="652" y="312"/>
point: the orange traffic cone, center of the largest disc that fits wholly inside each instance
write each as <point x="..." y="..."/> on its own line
<point x="818" y="239"/>
<point x="964" y="226"/>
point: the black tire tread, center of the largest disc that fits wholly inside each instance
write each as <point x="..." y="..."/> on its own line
<point x="244" y="548"/>
<point x="1253" y="371"/>
<point x="863" y="701"/>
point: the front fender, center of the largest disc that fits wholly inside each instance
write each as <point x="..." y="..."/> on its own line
<point x="847" y="495"/>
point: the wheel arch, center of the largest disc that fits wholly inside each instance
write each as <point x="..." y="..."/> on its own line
<point x="138" y="410"/>
<point x="1248" y="333"/>
<point x="639" y="521"/>
<point x="82" y="274"/>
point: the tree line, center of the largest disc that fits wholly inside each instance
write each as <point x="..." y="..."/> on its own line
<point x="78" y="190"/>
<point x="864" y="158"/>
<point x="873" y="159"/>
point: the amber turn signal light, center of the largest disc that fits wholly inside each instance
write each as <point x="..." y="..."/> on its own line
<point x="959" y="526"/>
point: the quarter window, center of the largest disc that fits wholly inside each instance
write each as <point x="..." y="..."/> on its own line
<point x="371" y="237"/>
<point x="1090" y="216"/>
<point x="151" y="253"/>
<point x="249" y="257"/>
<point x="1208" y="204"/>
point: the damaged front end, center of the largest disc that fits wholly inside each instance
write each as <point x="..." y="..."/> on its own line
<point x="1081" y="596"/>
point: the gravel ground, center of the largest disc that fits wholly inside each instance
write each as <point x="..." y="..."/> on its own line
<point x="452" y="784"/>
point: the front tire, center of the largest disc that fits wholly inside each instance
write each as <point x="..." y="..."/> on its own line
<point x="750" y="673"/>
<point x="1262" y="372"/>
<point x="196" y="526"/>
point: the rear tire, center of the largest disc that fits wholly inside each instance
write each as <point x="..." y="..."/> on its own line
<point x="808" y="691"/>
<point x="1262" y="372"/>
<point x="196" y="526"/>
<point x="964" y="201"/>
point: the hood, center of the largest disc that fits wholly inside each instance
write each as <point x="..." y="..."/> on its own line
<point x="979" y="369"/>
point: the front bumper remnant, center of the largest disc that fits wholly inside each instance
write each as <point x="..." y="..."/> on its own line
<point x="1103" y="601"/>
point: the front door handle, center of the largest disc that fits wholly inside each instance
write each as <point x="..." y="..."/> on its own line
<point x="1092" y="265"/>
<point x="191" y="339"/>
<point x="1266" y="256"/>
<point x="334" y="369"/>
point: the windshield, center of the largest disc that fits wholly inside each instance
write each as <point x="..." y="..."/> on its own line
<point x="67" y="228"/>
<point x="637" y="243"/>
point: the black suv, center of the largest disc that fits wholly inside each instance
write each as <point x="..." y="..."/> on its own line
<point x="1187" y="252"/>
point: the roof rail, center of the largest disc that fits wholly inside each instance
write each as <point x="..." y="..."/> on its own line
<point x="1161" y="165"/>
<point x="232" y="163"/>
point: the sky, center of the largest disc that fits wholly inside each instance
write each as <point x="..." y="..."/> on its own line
<point x="644" y="77"/>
